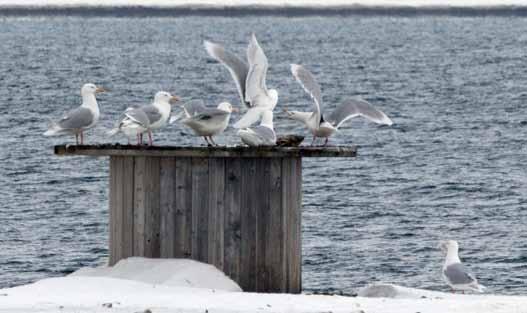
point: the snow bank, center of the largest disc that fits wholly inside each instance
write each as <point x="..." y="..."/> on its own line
<point x="167" y="272"/>
<point x="161" y="286"/>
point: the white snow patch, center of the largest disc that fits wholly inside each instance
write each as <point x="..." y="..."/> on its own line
<point x="161" y="286"/>
<point x="167" y="272"/>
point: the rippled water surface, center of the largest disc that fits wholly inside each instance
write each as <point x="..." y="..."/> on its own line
<point x="452" y="165"/>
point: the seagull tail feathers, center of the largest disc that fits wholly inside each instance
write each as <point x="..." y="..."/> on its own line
<point x="53" y="129"/>
<point x="112" y="132"/>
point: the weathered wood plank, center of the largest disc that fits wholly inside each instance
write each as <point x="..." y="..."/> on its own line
<point x="168" y="207"/>
<point x="127" y="244"/>
<point x="220" y="152"/>
<point x="261" y="198"/>
<point x="250" y="184"/>
<point x="216" y="211"/>
<point x="116" y="208"/>
<point x="296" y="226"/>
<point x="200" y="209"/>
<point x="275" y="243"/>
<point x="139" y="206"/>
<point x="232" y="231"/>
<point x="184" y="220"/>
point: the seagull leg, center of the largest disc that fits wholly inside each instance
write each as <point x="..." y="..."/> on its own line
<point x="141" y="138"/>
<point x="326" y="142"/>
<point x="82" y="138"/>
<point x="207" y="140"/>
<point x="150" y="141"/>
<point x="211" y="140"/>
<point x="314" y="138"/>
<point x="77" y="139"/>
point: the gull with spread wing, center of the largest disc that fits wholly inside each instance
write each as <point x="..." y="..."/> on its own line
<point x="322" y="125"/>
<point x="249" y="78"/>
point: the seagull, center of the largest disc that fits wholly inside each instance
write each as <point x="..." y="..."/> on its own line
<point x="158" y="112"/>
<point x="80" y="119"/>
<point x="207" y="122"/>
<point x="132" y="123"/>
<point x="262" y="135"/>
<point x="249" y="79"/>
<point x="455" y="274"/>
<point x="322" y="125"/>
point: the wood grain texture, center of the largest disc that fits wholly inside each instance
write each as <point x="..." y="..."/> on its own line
<point x="116" y="208"/>
<point x="248" y="219"/>
<point x="207" y="152"/>
<point x="216" y="205"/>
<point x="232" y="219"/>
<point x="168" y="208"/>
<point x="200" y="209"/>
<point x="184" y="220"/>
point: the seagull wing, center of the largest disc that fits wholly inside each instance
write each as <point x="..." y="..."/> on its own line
<point x="310" y="85"/>
<point x="194" y="107"/>
<point x="76" y="119"/>
<point x="357" y="107"/>
<point x="255" y="83"/>
<point x="236" y="66"/>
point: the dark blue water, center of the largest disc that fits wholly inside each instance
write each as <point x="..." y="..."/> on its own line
<point x="452" y="166"/>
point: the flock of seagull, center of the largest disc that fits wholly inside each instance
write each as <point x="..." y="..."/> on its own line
<point x="250" y="80"/>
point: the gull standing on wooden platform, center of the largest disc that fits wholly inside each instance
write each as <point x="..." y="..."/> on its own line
<point x="249" y="79"/>
<point x="158" y="112"/>
<point x="132" y="123"/>
<point x="322" y="125"/>
<point x="262" y="135"/>
<point x="455" y="274"/>
<point x="80" y="119"/>
<point x="207" y="122"/>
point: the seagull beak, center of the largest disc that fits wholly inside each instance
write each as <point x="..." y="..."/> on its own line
<point x="174" y="99"/>
<point x="100" y="90"/>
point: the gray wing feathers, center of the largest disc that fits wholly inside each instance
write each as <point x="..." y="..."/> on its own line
<point x="357" y="107"/>
<point x="236" y="66"/>
<point x="210" y="114"/>
<point x="194" y="107"/>
<point x="138" y="116"/>
<point x="152" y="112"/>
<point x="458" y="274"/>
<point x="265" y="133"/>
<point x="255" y="83"/>
<point x="77" y="118"/>
<point x="310" y="85"/>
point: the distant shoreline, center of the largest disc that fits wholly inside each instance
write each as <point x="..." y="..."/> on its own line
<point x="197" y="10"/>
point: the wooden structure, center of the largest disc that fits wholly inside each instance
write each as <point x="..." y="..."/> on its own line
<point x="238" y="208"/>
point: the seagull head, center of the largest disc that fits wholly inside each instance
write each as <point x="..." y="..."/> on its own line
<point x="91" y="89"/>
<point x="227" y="107"/>
<point x="165" y="97"/>
<point x="448" y="245"/>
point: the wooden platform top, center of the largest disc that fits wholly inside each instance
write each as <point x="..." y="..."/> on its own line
<point x="221" y="152"/>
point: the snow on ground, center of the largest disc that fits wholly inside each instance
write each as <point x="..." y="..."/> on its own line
<point x="159" y="286"/>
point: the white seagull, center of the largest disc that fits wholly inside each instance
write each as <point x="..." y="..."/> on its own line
<point x="132" y="123"/>
<point x="249" y="79"/>
<point x="322" y="125"/>
<point x="80" y="119"/>
<point x="207" y="122"/>
<point x="158" y="112"/>
<point x="455" y="274"/>
<point x="262" y="135"/>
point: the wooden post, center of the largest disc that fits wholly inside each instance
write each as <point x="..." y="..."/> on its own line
<point x="236" y="208"/>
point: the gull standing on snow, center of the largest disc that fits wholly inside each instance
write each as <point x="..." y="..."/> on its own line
<point x="207" y="122"/>
<point x="322" y="125"/>
<point x="132" y="123"/>
<point x="262" y="135"/>
<point x="249" y="79"/>
<point x="158" y="112"/>
<point x="80" y="119"/>
<point x="455" y="274"/>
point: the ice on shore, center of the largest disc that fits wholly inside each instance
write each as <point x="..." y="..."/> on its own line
<point x="164" y="285"/>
